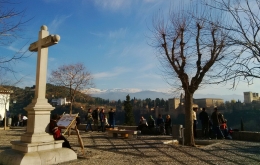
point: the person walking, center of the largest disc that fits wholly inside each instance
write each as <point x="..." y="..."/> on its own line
<point x="102" y="119"/>
<point x="216" y="123"/>
<point x="111" y="117"/>
<point x="89" y="119"/>
<point x="204" y="118"/>
<point x="95" y="118"/>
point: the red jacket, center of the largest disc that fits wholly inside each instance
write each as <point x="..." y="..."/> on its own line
<point x="56" y="132"/>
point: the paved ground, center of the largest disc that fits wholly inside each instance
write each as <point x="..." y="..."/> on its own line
<point x="150" y="150"/>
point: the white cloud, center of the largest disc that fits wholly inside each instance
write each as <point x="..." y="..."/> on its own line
<point x="97" y="34"/>
<point x="113" y="5"/>
<point x="118" y="33"/>
<point x="58" y="20"/>
<point x="108" y="74"/>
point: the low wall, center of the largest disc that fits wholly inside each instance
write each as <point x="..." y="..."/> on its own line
<point x="246" y="136"/>
<point x="237" y="135"/>
<point x="240" y="135"/>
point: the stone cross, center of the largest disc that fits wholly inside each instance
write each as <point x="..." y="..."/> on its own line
<point x="45" y="40"/>
<point x="37" y="146"/>
<point x="39" y="109"/>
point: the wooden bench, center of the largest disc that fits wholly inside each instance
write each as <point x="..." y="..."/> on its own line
<point x="124" y="133"/>
<point x="133" y="128"/>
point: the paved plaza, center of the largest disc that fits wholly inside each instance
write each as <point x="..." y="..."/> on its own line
<point x="150" y="150"/>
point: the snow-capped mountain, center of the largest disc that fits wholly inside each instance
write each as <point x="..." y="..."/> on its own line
<point x="96" y="91"/>
<point x="116" y="94"/>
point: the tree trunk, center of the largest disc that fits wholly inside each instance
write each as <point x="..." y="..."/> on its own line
<point x="188" y="132"/>
<point x="71" y="101"/>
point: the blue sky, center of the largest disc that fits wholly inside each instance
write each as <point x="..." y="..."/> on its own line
<point x="110" y="37"/>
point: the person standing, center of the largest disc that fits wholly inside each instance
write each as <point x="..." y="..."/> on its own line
<point x="95" y="118"/>
<point x="111" y="116"/>
<point x="168" y="124"/>
<point x="194" y="116"/>
<point x="204" y="118"/>
<point x="89" y="119"/>
<point x="216" y="123"/>
<point x="102" y="119"/>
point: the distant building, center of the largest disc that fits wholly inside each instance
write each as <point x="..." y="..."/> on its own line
<point x="209" y="103"/>
<point x="59" y="101"/>
<point x="173" y="104"/>
<point x="249" y="97"/>
<point x="4" y="102"/>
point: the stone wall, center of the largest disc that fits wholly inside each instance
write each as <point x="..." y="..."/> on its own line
<point x="246" y="136"/>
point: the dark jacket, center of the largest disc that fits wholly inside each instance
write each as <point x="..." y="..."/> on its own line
<point x="168" y="122"/>
<point x="214" y="118"/>
<point x="111" y="115"/>
<point x="102" y="117"/>
<point x="204" y="117"/>
<point x="95" y="114"/>
<point x="159" y="121"/>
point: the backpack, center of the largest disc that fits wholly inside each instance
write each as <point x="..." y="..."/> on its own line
<point x="90" y="118"/>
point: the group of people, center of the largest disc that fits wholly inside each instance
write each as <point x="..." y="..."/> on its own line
<point x="17" y="120"/>
<point x="212" y="126"/>
<point x="164" y="126"/>
<point x="94" y="116"/>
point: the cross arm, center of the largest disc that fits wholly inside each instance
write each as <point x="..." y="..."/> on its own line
<point x="45" y="42"/>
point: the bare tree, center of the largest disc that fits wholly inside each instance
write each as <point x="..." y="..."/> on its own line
<point x="189" y="46"/>
<point x="75" y="77"/>
<point x="244" y="36"/>
<point x="11" y="25"/>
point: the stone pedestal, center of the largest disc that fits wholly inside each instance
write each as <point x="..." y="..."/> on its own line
<point x="44" y="157"/>
<point x="37" y="146"/>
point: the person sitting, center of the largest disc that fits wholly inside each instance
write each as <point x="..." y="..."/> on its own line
<point x="159" y="120"/>
<point x="142" y="123"/>
<point x="225" y="130"/>
<point x="151" y="122"/>
<point x="56" y="131"/>
<point x="160" y="124"/>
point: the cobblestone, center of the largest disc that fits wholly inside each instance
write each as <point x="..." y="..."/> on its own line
<point x="150" y="150"/>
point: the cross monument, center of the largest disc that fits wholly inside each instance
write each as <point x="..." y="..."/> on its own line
<point x="37" y="146"/>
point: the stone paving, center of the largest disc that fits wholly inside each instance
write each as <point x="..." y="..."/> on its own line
<point x="150" y="150"/>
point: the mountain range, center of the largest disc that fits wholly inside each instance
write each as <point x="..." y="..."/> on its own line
<point x="116" y="94"/>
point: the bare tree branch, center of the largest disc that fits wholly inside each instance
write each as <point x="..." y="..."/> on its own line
<point x="244" y="26"/>
<point x="73" y="76"/>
